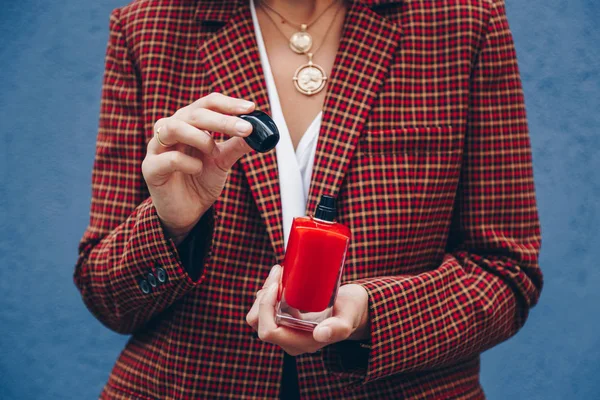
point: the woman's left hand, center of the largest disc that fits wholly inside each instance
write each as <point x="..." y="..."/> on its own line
<point x="350" y="319"/>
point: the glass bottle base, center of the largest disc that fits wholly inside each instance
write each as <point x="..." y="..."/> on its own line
<point x="287" y="315"/>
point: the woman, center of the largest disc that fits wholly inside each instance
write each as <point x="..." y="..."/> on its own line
<point x="410" y="112"/>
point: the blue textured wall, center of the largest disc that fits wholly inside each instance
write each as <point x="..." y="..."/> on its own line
<point x="51" y="61"/>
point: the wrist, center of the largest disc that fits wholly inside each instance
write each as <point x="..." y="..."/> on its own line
<point x="178" y="239"/>
<point x="178" y="234"/>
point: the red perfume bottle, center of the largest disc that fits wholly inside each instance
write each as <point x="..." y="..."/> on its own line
<point x="312" y="268"/>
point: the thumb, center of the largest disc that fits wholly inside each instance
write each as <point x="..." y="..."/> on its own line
<point x="333" y="329"/>
<point x="231" y="150"/>
<point x="345" y="320"/>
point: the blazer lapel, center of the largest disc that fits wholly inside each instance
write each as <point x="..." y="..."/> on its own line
<point x="233" y="67"/>
<point x="367" y="47"/>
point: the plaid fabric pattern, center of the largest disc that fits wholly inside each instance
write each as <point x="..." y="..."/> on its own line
<point x="424" y="140"/>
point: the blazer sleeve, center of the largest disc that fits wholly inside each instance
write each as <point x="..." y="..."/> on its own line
<point x="127" y="271"/>
<point x="489" y="278"/>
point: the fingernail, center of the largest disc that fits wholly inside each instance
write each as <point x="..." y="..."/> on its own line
<point x="273" y="269"/>
<point x="246" y="105"/>
<point x="243" y="127"/>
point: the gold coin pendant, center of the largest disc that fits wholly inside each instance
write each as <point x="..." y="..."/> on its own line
<point x="310" y="79"/>
<point x="301" y="42"/>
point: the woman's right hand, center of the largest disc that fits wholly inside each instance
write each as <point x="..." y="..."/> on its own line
<point x="186" y="177"/>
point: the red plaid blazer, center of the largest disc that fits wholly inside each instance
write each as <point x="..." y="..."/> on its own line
<point x="424" y="141"/>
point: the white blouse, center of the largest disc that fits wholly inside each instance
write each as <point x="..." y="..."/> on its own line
<point x="295" y="168"/>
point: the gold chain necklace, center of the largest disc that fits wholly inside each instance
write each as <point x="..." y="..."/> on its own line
<point x="309" y="78"/>
<point x="301" y="41"/>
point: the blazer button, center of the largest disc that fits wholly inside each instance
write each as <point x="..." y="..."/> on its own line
<point x="161" y="275"/>
<point x="145" y="286"/>
<point x="152" y="280"/>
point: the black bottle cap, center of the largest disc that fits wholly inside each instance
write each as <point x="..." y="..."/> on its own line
<point x="326" y="210"/>
<point x="265" y="134"/>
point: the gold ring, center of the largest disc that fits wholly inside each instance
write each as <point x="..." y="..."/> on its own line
<point x="157" y="134"/>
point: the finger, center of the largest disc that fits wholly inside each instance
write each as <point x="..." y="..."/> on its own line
<point x="266" y="314"/>
<point x="294" y="351"/>
<point x="203" y="118"/>
<point x="174" y="131"/>
<point x="339" y="327"/>
<point x="252" y="316"/>
<point x="332" y="330"/>
<point x="296" y="342"/>
<point x="224" y="104"/>
<point x="230" y="151"/>
<point x="274" y="276"/>
<point x="158" y="166"/>
<point x="293" y="341"/>
<point x="159" y="127"/>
